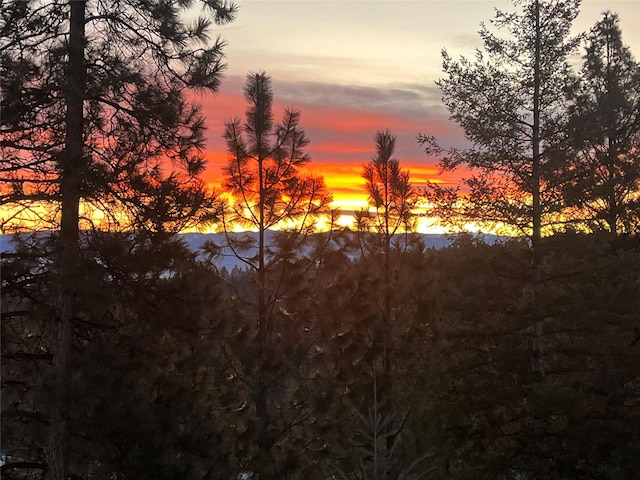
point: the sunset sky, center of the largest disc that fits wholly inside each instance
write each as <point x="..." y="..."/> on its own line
<point x="353" y="67"/>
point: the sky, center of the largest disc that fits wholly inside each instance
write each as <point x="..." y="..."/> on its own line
<point x="354" y="67"/>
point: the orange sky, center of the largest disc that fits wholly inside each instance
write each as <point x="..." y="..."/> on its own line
<point x="342" y="141"/>
<point x="355" y="67"/>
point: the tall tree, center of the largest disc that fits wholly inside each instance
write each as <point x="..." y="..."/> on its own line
<point x="509" y="105"/>
<point x="392" y="199"/>
<point x="95" y="111"/>
<point x="268" y="190"/>
<point x="390" y="192"/>
<point x="143" y="377"/>
<point x="263" y="176"/>
<point x="117" y="76"/>
<point x="604" y="181"/>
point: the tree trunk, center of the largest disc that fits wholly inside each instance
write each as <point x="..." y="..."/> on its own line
<point x="612" y="214"/>
<point x="261" y="401"/>
<point x="538" y="321"/>
<point x="71" y="163"/>
<point x="385" y="384"/>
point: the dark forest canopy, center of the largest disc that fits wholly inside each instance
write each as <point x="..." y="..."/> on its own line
<point x="355" y="352"/>
<point x="161" y="382"/>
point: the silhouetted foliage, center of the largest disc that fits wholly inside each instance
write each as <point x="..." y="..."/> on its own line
<point x="479" y="406"/>
<point x="268" y="189"/>
<point x="392" y="200"/>
<point x="263" y="176"/>
<point x="508" y="101"/>
<point x="141" y="384"/>
<point x="126" y="355"/>
<point x="604" y="180"/>
<point x="138" y="134"/>
<point x="160" y="382"/>
<point x="389" y="189"/>
<point x="510" y="108"/>
<point x="97" y="126"/>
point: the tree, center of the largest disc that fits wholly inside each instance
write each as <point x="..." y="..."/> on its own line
<point x="95" y="110"/>
<point x="263" y="178"/>
<point x="509" y="105"/>
<point x="143" y="381"/>
<point x="390" y="194"/>
<point x="268" y="190"/>
<point x="392" y="199"/>
<point x="604" y="180"/>
<point x="112" y="83"/>
<point x="478" y="403"/>
<point x="468" y="356"/>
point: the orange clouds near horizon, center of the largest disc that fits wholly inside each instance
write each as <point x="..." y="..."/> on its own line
<point x="341" y="143"/>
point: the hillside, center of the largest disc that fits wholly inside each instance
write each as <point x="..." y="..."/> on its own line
<point x="228" y="260"/>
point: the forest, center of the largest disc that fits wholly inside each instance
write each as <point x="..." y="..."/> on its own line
<point x="332" y="352"/>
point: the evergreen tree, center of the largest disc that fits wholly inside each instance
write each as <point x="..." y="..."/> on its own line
<point x="118" y="77"/>
<point x="509" y="104"/>
<point x="141" y="386"/>
<point x="263" y="178"/>
<point x="392" y="199"/>
<point x="95" y="109"/>
<point x="389" y="189"/>
<point x="465" y="370"/>
<point x="469" y="357"/>
<point x="268" y="190"/>
<point x="604" y="181"/>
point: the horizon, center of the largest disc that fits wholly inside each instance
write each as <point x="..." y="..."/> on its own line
<point x="369" y="69"/>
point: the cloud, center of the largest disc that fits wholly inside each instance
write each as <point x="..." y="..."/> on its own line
<point x="341" y="122"/>
<point x="406" y="99"/>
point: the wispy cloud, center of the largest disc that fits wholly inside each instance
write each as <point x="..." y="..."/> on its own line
<point x="341" y="122"/>
<point x="415" y="100"/>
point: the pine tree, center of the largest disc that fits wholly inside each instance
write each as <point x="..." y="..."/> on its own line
<point x="142" y="382"/>
<point x="267" y="191"/>
<point x="604" y="181"/>
<point x="509" y="104"/>
<point x="95" y="109"/>
<point x="263" y="178"/>
<point x="392" y="199"/>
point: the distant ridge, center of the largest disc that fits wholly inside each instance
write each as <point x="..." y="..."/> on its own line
<point x="227" y="260"/>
